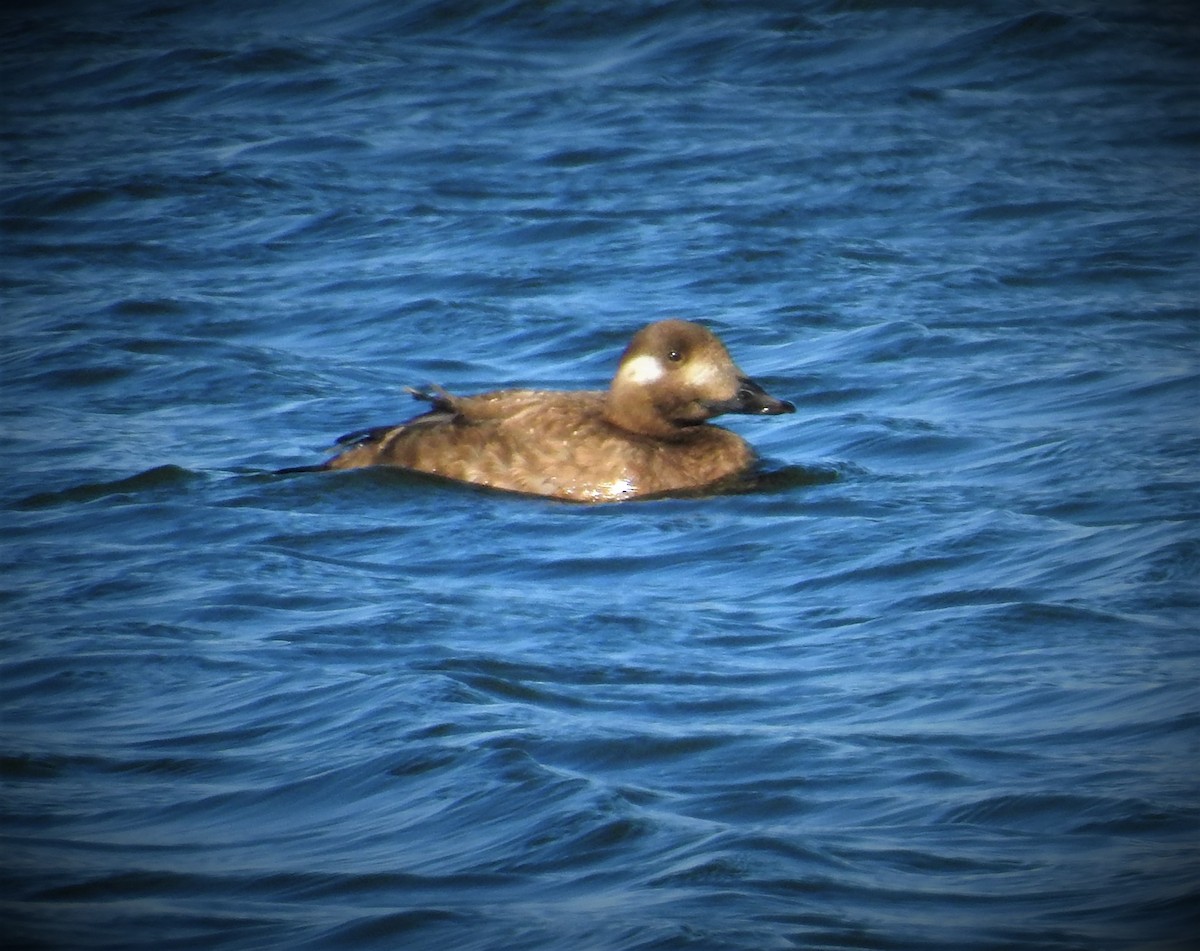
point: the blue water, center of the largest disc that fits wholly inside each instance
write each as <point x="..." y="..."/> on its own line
<point x="932" y="685"/>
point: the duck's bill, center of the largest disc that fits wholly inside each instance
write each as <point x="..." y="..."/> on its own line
<point x="751" y="399"/>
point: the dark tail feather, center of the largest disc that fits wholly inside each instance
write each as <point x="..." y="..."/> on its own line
<point x="443" y="407"/>
<point x="438" y="398"/>
<point x="370" y="434"/>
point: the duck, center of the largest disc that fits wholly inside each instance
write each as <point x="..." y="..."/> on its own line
<point x="648" y="435"/>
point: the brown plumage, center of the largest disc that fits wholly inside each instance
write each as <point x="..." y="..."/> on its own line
<point x="646" y="435"/>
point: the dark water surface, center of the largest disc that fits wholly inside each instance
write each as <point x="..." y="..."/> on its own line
<point x="934" y="684"/>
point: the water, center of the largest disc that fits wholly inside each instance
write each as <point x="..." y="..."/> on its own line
<point x="932" y="685"/>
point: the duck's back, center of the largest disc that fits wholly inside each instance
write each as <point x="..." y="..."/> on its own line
<point x="549" y="443"/>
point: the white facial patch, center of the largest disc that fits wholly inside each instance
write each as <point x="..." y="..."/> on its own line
<point x="702" y="374"/>
<point x="642" y="369"/>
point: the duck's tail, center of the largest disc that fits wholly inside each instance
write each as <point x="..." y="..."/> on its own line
<point x="444" y="406"/>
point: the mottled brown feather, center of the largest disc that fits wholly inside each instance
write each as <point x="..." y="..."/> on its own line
<point x="647" y="435"/>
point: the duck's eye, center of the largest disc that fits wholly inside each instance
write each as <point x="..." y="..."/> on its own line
<point x="674" y="356"/>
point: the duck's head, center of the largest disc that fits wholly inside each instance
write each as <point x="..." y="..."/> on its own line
<point x="675" y="375"/>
